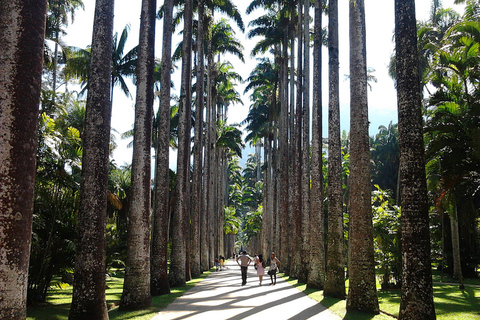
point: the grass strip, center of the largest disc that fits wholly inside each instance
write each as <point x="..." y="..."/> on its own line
<point x="59" y="299"/>
<point x="451" y="303"/>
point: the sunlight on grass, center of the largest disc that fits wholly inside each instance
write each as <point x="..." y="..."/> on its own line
<point x="450" y="302"/>
<point x="58" y="301"/>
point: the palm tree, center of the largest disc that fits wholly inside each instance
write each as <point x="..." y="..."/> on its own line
<point x="197" y="214"/>
<point x="136" y="288"/>
<point x="385" y="158"/>
<point x="263" y="80"/>
<point x="161" y="213"/>
<point x="78" y="63"/>
<point x="305" y="157"/>
<point x="296" y="158"/>
<point x="221" y="40"/>
<point x="335" y="276"/>
<point x="21" y="68"/>
<point x="362" y="293"/>
<point x="417" y="291"/>
<point x="179" y="267"/>
<point x="58" y="11"/>
<point x="89" y="280"/>
<point x="316" y="276"/>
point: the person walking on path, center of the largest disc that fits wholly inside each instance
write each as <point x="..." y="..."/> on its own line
<point x="260" y="263"/>
<point x="244" y="261"/>
<point x="274" y="262"/>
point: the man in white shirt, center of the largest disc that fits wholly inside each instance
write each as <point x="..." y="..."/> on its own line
<point x="244" y="261"/>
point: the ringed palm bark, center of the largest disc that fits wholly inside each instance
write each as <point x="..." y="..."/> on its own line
<point x="335" y="277"/>
<point x="198" y="215"/>
<point x="417" y="292"/>
<point x="316" y="276"/>
<point x="296" y="161"/>
<point x="305" y="151"/>
<point x="179" y="267"/>
<point x="22" y="32"/>
<point x="362" y="293"/>
<point x="89" y="280"/>
<point x="161" y="212"/>
<point x="136" y="287"/>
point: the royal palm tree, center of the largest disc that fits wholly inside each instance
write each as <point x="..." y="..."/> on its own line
<point x="417" y="291"/>
<point x="21" y="64"/>
<point x="305" y="150"/>
<point x="385" y="158"/>
<point x="89" y="280"/>
<point x="362" y="292"/>
<point x="295" y="190"/>
<point x="198" y="215"/>
<point x="58" y="13"/>
<point x="136" y="288"/>
<point x="335" y="276"/>
<point x="316" y="276"/>
<point x="161" y="212"/>
<point x="263" y="80"/>
<point x="123" y="65"/>
<point x="179" y="267"/>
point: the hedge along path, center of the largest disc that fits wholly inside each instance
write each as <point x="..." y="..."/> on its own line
<point x="221" y="296"/>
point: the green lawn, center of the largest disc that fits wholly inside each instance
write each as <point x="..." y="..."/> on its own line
<point x="59" y="299"/>
<point x="450" y="302"/>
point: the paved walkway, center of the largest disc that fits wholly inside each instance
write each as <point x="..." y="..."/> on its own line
<point x="221" y="296"/>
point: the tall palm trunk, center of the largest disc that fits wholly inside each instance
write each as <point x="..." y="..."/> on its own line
<point x="136" y="287"/>
<point x="210" y="157"/>
<point x="335" y="277"/>
<point x="283" y="153"/>
<point x="305" y="186"/>
<point x="197" y="211"/>
<point x="457" y="263"/>
<point x="362" y="293"/>
<point x="161" y="212"/>
<point x="89" y="280"/>
<point x="287" y="246"/>
<point x="267" y="218"/>
<point x="296" y="261"/>
<point x="316" y="277"/>
<point x="181" y="228"/>
<point x="22" y="32"/>
<point x="417" y="291"/>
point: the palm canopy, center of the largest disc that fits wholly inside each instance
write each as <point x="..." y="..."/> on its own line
<point x="226" y="79"/>
<point x="230" y="137"/>
<point x="78" y="62"/>
<point x="265" y="74"/>
<point x="223" y="41"/>
<point x="263" y="80"/>
<point x="224" y="6"/>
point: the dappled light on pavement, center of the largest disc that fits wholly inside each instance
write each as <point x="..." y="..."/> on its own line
<point x="221" y="296"/>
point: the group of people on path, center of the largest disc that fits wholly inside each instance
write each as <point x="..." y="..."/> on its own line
<point x="244" y="260"/>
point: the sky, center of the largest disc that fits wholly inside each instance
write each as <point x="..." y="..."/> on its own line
<point x="382" y="101"/>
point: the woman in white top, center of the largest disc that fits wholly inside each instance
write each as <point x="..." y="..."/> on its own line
<point x="274" y="262"/>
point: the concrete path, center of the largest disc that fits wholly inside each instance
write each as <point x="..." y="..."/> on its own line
<point x="221" y="296"/>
